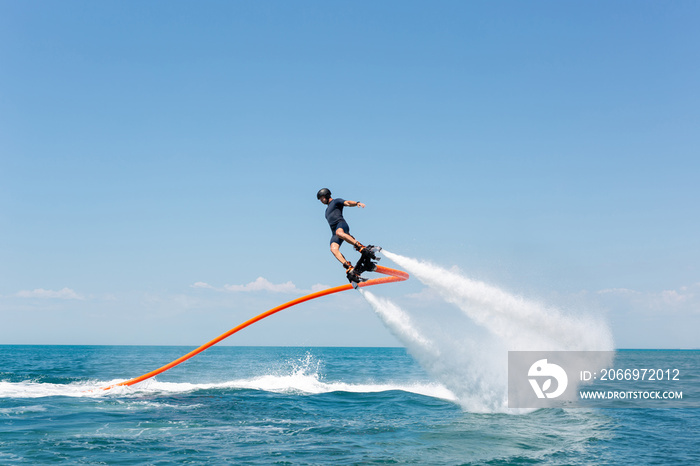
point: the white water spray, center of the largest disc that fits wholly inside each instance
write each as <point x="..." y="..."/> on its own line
<point x="473" y="364"/>
<point x="461" y="365"/>
<point x="522" y="324"/>
<point x="400" y="324"/>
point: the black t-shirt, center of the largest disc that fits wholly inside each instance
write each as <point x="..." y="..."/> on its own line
<point x="334" y="213"/>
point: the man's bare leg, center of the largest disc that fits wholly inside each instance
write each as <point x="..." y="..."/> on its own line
<point x="335" y="249"/>
<point x="348" y="238"/>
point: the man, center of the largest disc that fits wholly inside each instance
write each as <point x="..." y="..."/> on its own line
<point x="339" y="227"/>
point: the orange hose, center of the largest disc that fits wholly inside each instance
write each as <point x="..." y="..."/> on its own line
<point x="393" y="276"/>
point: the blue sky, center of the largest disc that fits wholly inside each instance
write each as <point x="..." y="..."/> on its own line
<point x="549" y="148"/>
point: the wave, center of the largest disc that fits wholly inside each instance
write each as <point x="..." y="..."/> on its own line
<point x="302" y="384"/>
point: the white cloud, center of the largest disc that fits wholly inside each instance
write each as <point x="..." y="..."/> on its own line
<point x="206" y="286"/>
<point x="676" y="296"/>
<point x="260" y="284"/>
<point x="619" y="291"/>
<point x="685" y="298"/>
<point x="319" y="287"/>
<point x="65" y="293"/>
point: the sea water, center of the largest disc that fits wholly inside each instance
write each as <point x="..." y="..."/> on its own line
<point x="282" y="405"/>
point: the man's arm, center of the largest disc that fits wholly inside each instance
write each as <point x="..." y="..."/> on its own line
<point x="353" y="204"/>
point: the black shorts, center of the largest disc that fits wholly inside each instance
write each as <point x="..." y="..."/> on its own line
<point x="346" y="228"/>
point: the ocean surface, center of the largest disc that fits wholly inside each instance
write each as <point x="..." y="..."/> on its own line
<point x="281" y="405"/>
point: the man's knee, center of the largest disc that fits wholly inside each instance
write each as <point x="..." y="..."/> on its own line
<point x="342" y="235"/>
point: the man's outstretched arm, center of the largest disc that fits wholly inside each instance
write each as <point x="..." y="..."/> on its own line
<point x="353" y="204"/>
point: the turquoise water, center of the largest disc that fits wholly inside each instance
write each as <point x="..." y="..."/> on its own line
<point x="242" y="405"/>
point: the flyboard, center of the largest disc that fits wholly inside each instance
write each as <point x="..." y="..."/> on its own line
<point x="364" y="264"/>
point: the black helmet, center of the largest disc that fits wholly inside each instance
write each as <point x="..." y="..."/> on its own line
<point x="325" y="192"/>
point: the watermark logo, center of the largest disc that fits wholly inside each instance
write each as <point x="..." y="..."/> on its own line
<point x="546" y="372"/>
<point x="605" y="379"/>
